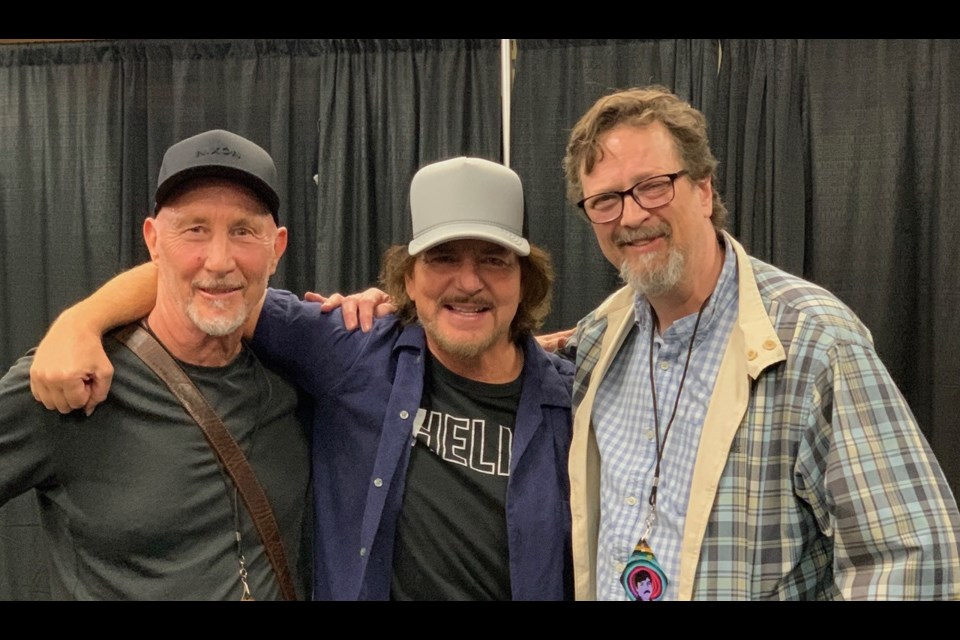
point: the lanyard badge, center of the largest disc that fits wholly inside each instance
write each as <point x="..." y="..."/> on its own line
<point x="642" y="578"/>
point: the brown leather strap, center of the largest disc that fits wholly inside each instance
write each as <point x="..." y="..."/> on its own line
<point x="146" y="346"/>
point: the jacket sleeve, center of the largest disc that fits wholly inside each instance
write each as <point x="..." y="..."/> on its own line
<point x="876" y="487"/>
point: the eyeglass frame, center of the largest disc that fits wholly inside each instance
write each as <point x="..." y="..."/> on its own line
<point x="623" y="194"/>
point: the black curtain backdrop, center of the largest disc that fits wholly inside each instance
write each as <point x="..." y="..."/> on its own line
<point x="837" y="161"/>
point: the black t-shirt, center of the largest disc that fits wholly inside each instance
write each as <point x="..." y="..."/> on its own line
<point x="452" y="532"/>
<point x="133" y="501"/>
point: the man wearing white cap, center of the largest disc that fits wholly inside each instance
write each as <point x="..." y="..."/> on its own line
<point x="441" y="436"/>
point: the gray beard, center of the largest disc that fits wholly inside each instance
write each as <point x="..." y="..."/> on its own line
<point x="216" y="327"/>
<point x="654" y="281"/>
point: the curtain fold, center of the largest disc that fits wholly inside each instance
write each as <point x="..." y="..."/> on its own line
<point x="757" y="134"/>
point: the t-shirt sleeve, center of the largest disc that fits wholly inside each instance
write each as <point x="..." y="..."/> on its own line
<point x="27" y="434"/>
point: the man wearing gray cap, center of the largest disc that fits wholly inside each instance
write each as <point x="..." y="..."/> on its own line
<point x="441" y="436"/>
<point x="133" y="502"/>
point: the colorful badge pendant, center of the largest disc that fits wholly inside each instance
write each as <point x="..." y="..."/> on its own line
<point x="642" y="578"/>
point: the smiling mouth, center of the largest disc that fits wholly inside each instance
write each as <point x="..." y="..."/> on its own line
<point x="218" y="291"/>
<point x="636" y="242"/>
<point x="466" y="309"/>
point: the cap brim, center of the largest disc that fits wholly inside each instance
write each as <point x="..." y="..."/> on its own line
<point x="261" y="188"/>
<point x="469" y="231"/>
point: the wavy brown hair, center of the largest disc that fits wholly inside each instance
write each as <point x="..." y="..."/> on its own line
<point x="536" y="288"/>
<point x="639" y="107"/>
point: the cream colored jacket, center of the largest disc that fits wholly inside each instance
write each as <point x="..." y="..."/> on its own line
<point x="753" y="346"/>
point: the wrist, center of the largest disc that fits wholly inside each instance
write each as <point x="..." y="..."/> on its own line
<point x="82" y="321"/>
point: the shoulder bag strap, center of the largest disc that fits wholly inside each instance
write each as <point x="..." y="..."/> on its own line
<point x="148" y="349"/>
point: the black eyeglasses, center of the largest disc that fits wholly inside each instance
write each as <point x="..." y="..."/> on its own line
<point x="650" y="193"/>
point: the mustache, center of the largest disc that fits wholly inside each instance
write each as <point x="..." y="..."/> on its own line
<point x="218" y="284"/>
<point x="626" y="235"/>
<point x="476" y="301"/>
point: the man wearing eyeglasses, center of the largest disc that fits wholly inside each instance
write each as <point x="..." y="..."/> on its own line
<point x="735" y="433"/>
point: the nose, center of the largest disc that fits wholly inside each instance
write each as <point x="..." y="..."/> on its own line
<point x="468" y="277"/>
<point x="219" y="256"/>
<point x="633" y="213"/>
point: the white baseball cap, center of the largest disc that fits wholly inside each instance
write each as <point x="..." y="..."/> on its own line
<point x="467" y="198"/>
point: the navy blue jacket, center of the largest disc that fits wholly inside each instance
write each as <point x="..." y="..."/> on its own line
<point x="366" y="389"/>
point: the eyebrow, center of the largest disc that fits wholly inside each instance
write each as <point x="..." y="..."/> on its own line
<point x="185" y="219"/>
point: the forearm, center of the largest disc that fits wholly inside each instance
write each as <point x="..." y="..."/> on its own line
<point x="124" y="298"/>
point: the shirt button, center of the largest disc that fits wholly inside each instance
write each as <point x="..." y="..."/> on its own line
<point x="769" y="345"/>
<point x="751" y="354"/>
<point x="649" y="434"/>
<point x="378" y="482"/>
<point x="619" y="567"/>
<point x="631" y="500"/>
<point x="664" y="366"/>
<point x="363" y="551"/>
<point x="404" y="415"/>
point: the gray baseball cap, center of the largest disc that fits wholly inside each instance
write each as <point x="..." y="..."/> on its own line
<point x="223" y="154"/>
<point x="465" y="198"/>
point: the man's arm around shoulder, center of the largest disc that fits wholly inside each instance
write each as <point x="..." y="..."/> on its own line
<point x="70" y="369"/>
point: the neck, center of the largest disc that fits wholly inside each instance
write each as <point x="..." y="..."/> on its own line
<point x="189" y="344"/>
<point x="688" y="297"/>
<point x="499" y="364"/>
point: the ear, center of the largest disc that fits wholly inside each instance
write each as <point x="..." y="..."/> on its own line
<point x="150" y="237"/>
<point x="279" y="246"/>
<point x="408" y="283"/>
<point x="706" y="196"/>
